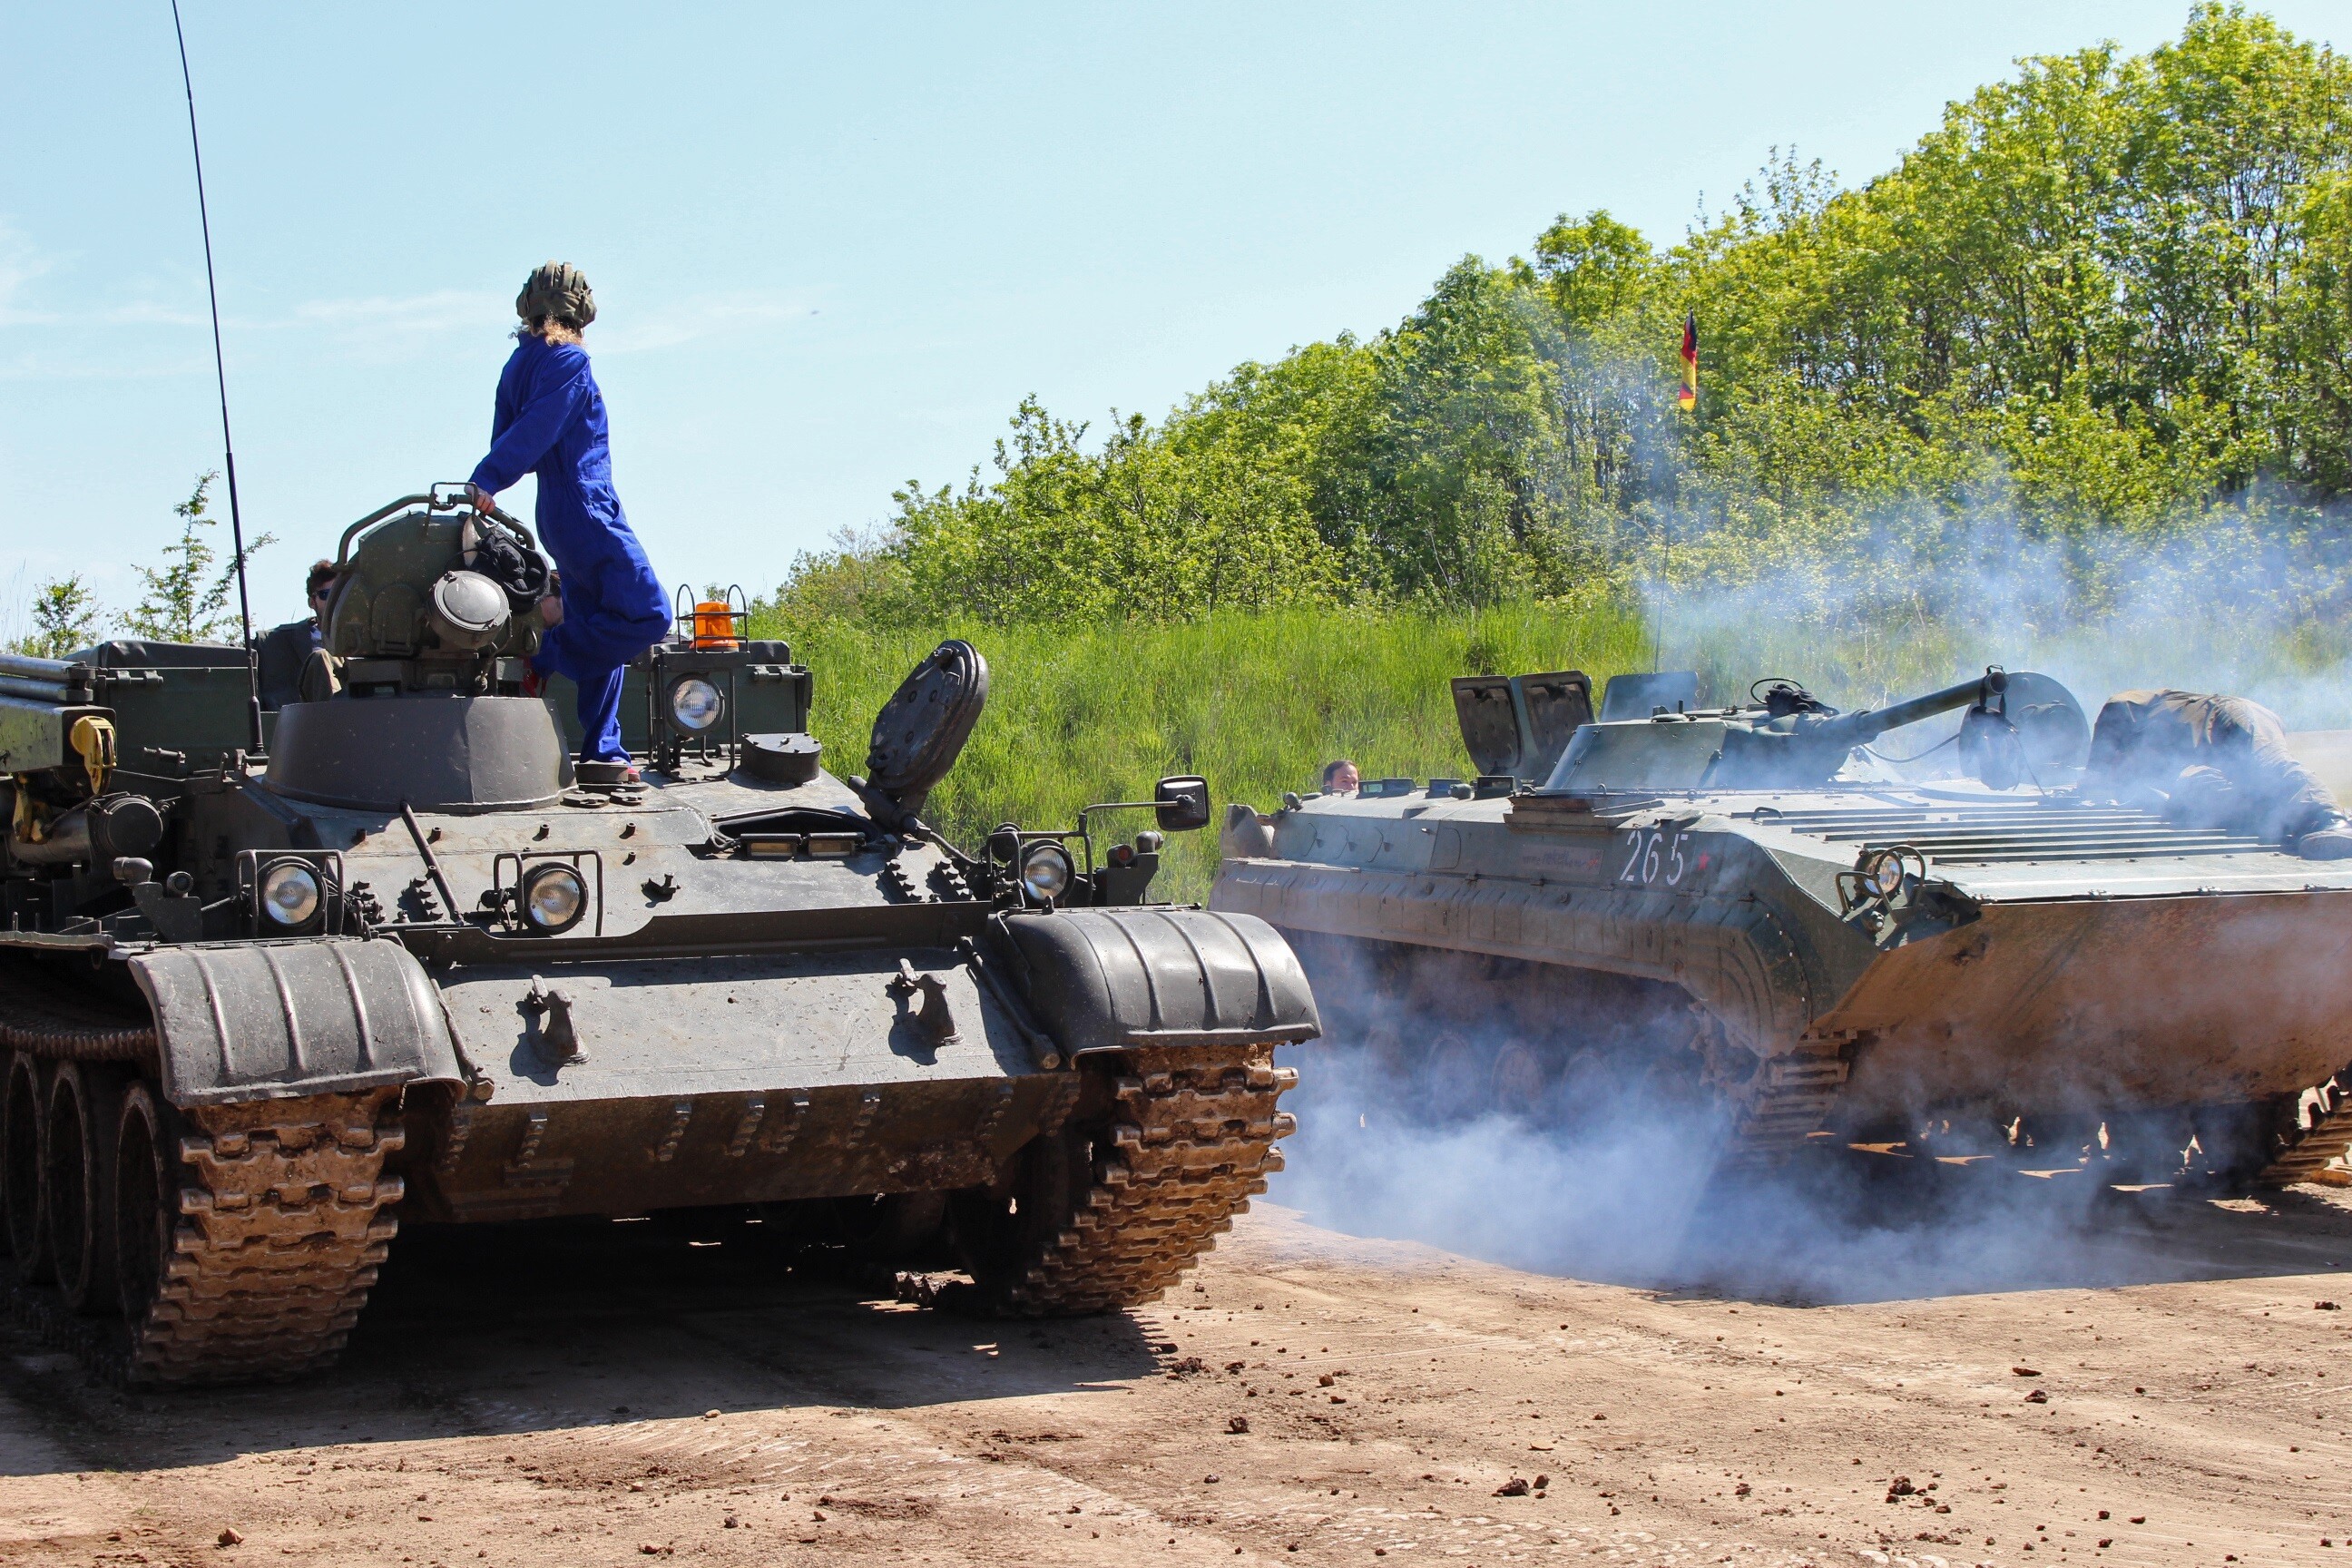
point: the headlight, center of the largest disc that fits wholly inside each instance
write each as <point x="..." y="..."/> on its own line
<point x="553" y="898"/>
<point x="289" y="893"/>
<point x="1882" y="874"/>
<point x="695" y="703"/>
<point x="1045" y="872"/>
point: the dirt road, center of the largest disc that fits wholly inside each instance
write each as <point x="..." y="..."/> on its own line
<point x="611" y="1393"/>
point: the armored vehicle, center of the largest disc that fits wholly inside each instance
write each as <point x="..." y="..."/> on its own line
<point x="1748" y="913"/>
<point x="413" y="964"/>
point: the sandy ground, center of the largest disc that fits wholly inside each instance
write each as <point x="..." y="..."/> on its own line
<point x="604" y="1393"/>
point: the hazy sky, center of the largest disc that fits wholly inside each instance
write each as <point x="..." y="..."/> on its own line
<point x="832" y="247"/>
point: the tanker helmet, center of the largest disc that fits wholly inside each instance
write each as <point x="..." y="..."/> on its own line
<point x="559" y="289"/>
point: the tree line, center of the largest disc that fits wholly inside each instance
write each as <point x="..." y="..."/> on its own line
<point x="2106" y="300"/>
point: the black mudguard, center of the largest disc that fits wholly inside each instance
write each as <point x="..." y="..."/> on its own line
<point x="276" y="1019"/>
<point x="1101" y="979"/>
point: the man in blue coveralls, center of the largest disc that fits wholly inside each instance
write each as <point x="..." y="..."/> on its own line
<point x="608" y="607"/>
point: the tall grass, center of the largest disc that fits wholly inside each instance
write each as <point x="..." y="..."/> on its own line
<point x="1255" y="703"/>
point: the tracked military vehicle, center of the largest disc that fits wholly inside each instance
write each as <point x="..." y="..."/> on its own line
<point x="1750" y="913"/>
<point x="414" y="965"/>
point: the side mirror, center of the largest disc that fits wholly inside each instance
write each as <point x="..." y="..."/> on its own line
<point x="1181" y="804"/>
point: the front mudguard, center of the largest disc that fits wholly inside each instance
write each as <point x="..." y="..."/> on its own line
<point x="269" y="1020"/>
<point x="1107" y="980"/>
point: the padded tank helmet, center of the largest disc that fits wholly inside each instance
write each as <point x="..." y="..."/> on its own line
<point x="559" y="289"/>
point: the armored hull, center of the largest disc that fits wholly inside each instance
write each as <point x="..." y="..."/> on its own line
<point x="412" y="968"/>
<point x="2051" y="972"/>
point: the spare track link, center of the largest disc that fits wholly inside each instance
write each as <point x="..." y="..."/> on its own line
<point x="282" y="1225"/>
<point x="1191" y="1142"/>
<point x="2327" y="1139"/>
<point x="1786" y="1103"/>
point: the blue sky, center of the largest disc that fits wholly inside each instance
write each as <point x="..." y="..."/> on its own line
<point x="832" y="246"/>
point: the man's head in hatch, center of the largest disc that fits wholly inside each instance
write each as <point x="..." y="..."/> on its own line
<point x="320" y="590"/>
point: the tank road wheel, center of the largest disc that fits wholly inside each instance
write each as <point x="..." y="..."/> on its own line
<point x="1458" y="1076"/>
<point x="146" y="1191"/>
<point x="1107" y="1212"/>
<point x="1521" y="1078"/>
<point x="22" y="1133"/>
<point x="85" y="1110"/>
<point x="249" y="1235"/>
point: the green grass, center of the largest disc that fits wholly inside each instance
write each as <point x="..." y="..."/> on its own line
<point x="1256" y="704"/>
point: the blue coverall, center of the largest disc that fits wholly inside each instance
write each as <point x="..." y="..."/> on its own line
<point x="551" y="422"/>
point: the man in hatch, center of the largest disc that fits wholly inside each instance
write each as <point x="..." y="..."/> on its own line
<point x="285" y="651"/>
<point x="2217" y="762"/>
<point x="550" y="421"/>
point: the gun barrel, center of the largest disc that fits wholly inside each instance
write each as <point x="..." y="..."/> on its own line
<point x="1859" y="728"/>
<point x="48" y="671"/>
<point x="59" y="696"/>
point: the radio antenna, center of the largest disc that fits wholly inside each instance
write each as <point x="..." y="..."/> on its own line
<point x="220" y="376"/>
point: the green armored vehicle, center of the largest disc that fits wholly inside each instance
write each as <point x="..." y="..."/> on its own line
<point x="1747" y="914"/>
<point x="415" y="965"/>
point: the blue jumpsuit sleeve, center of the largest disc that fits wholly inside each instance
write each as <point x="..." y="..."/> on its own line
<point x="534" y="428"/>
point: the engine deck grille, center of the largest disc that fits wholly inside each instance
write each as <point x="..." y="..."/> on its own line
<point x="2007" y="832"/>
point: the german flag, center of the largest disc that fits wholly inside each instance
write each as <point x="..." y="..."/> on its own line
<point x="1689" y="395"/>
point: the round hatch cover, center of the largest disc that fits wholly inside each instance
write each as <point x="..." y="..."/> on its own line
<point x="468" y="609"/>
<point x="925" y="725"/>
<point x="787" y="759"/>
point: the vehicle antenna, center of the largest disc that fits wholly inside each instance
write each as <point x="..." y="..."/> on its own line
<point x="1665" y="586"/>
<point x="220" y="376"/>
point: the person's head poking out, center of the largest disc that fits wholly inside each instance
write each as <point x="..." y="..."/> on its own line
<point x="555" y="303"/>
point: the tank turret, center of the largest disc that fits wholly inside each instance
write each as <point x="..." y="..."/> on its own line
<point x="1786" y="738"/>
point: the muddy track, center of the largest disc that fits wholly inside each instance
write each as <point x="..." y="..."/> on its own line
<point x="283" y="1223"/>
<point x="2325" y="1141"/>
<point x="1192" y="1142"/>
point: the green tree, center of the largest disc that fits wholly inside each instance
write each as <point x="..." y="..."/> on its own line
<point x="66" y="619"/>
<point x="186" y="600"/>
<point x="2110" y="295"/>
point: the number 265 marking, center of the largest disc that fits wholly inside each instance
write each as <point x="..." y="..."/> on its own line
<point x="1650" y="854"/>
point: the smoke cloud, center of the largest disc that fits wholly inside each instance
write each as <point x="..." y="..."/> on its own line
<point x="1643" y="1196"/>
<point x="2250" y="600"/>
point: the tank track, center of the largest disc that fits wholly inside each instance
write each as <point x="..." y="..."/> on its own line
<point x="1192" y="1141"/>
<point x="2327" y="1139"/>
<point x="282" y="1227"/>
<point x="1785" y="1104"/>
